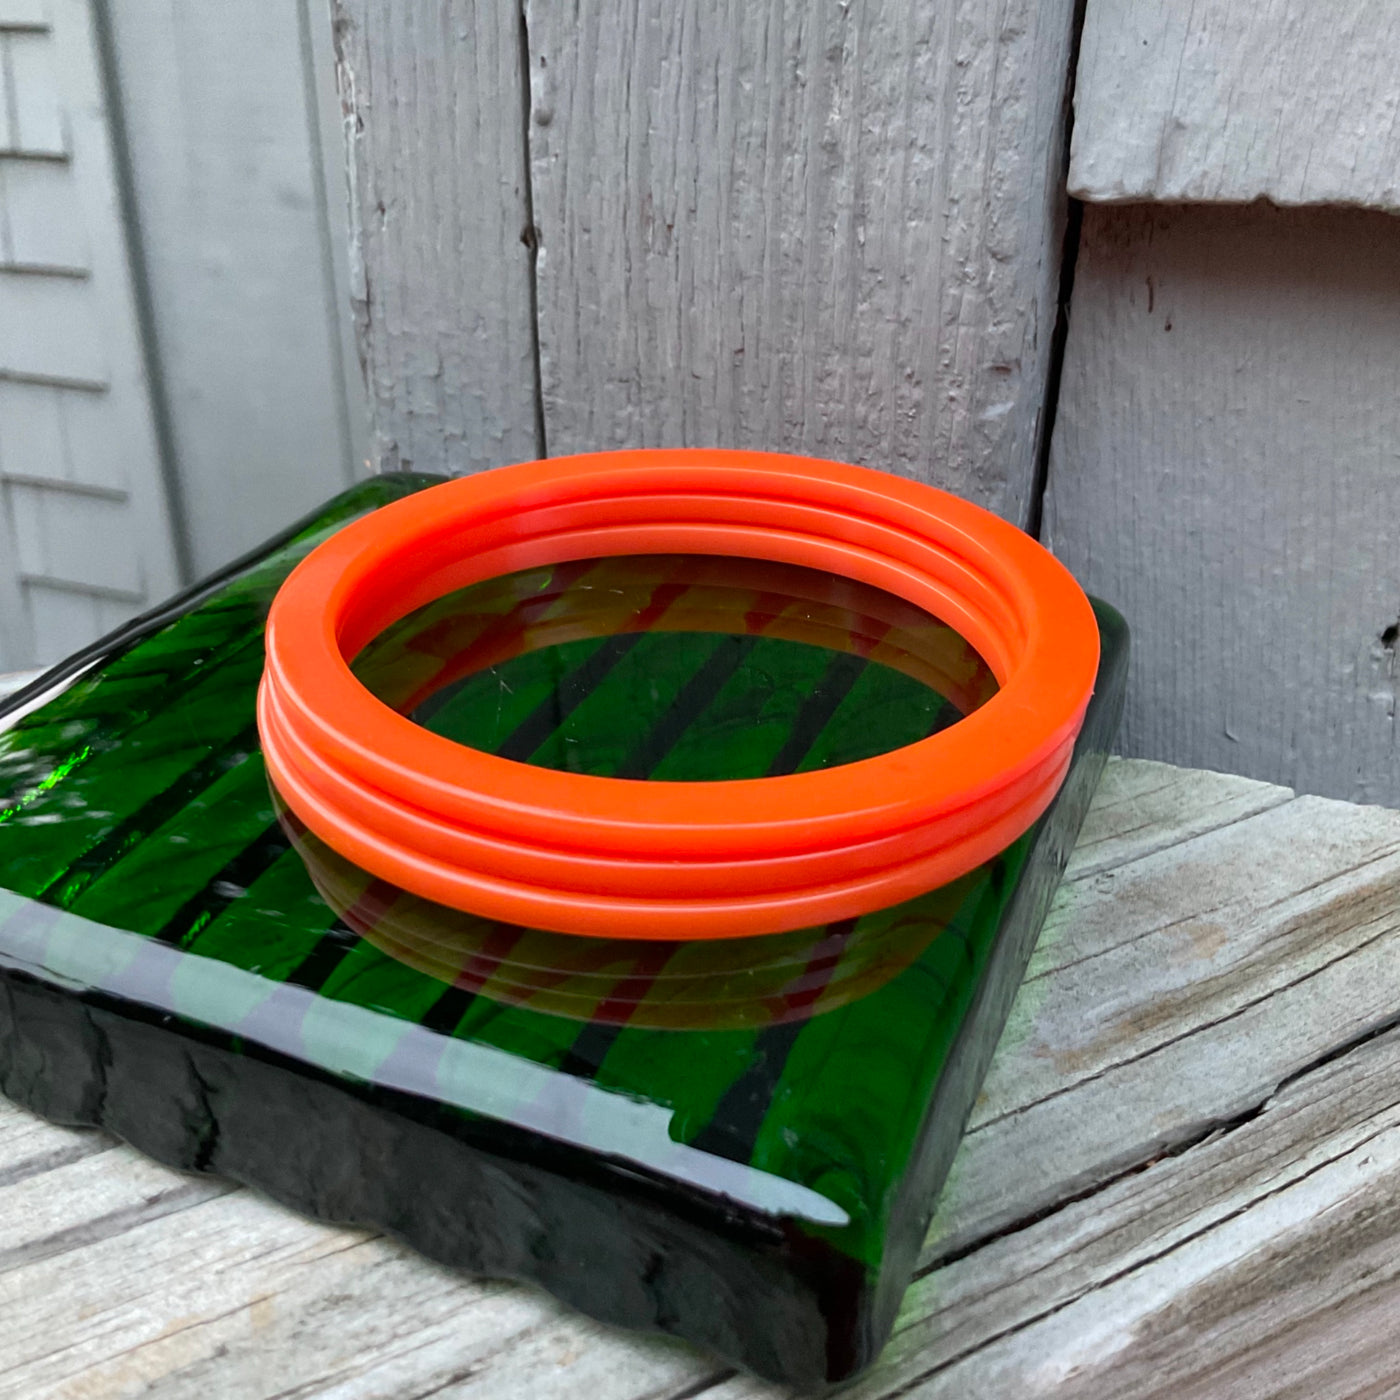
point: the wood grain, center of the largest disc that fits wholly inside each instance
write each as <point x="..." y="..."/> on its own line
<point x="1230" y="102"/>
<point x="831" y="229"/>
<point x="433" y="98"/>
<point x="1220" y="986"/>
<point x="1225" y="470"/>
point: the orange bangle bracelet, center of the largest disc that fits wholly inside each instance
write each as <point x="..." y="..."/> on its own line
<point x="619" y="857"/>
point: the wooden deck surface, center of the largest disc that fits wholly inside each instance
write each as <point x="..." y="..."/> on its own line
<point x="1182" y="1178"/>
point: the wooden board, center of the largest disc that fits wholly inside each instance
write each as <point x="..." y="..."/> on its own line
<point x="1180" y="1180"/>
<point x="440" y="281"/>
<point x="1225" y="471"/>
<point x="223" y="116"/>
<point x="1226" y="100"/>
<point x="831" y="229"/>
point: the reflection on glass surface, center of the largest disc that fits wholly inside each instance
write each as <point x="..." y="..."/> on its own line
<point x="677" y="667"/>
<point x="667" y="667"/>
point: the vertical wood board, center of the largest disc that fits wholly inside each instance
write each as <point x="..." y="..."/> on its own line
<point x="821" y="228"/>
<point x="1226" y="470"/>
<point x="825" y="229"/>
<point x="8" y="135"/>
<point x="1223" y="100"/>
<point x="433" y="102"/>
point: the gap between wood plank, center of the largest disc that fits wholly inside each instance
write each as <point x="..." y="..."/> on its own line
<point x="55" y="1158"/>
<point x="188" y="1192"/>
<point x="1342" y="1149"/>
<point x="1382" y="933"/>
<point x="1212" y="1129"/>
<point x="24" y="269"/>
<point x="530" y="235"/>
<point x="1069" y="258"/>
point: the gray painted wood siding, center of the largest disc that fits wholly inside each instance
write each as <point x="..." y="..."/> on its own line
<point x="1225" y="462"/>
<point x="178" y="377"/>
<point x="1232" y="101"/>
<point x="1226" y="468"/>
<point x="85" y="533"/>
<point x="240" y="202"/>
<point x="433" y="97"/>
<point x="806" y="227"/>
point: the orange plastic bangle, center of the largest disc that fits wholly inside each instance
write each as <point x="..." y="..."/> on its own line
<point x="630" y="858"/>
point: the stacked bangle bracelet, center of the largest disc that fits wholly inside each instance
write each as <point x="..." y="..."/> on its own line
<point x="626" y="858"/>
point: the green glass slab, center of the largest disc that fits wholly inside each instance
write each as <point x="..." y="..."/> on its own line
<point x="740" y="1143"/>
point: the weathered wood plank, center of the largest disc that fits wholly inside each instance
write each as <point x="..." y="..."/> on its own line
<point x="1224" y="470"/>
<point x="328" y="130"/>
<point x="65" y="432"/>
<point x="16" y="636"/>
<point x="277" y="1301"/>
<point x="1144" y="807"/>
<point x="1207" y="904"/>
<point x="95" y="1196"/>
<point x="31" y="430"/>
<point x="228" y="185"/>
<point x="65" y="618"/>
<point x="830" y="229"/>
<point x="440" y="268"/>
<point x="1226" y="101"/>
<point x="1219" y="978"/>
<point x="1209" y="976"/>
